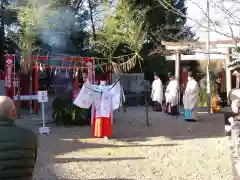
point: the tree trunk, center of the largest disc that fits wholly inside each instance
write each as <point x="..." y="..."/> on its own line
<point x="30" y="77"/>
<point x="92" y="21"/>
<point x="26" y="68"/>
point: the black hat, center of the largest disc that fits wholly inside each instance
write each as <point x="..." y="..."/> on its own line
<point x="190" y="74"/>
<point x="155" y="74"/>
<point x="103" y="77"/>
<point x="170" y="74"/>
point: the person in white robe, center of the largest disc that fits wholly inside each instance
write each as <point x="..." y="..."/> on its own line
<point x="172" y="96"/>
<point x="157" y="93"/>
<point x="190" y="99"/>
<point x="104" y="100"/>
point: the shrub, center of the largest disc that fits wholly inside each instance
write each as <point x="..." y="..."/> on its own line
<point x="203" y="94"/>
<point x="66" y="113"/>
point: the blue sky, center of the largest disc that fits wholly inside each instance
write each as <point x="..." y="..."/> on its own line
<point x="223" y="14"/>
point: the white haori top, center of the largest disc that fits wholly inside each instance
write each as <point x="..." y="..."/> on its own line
<point x="157" y="91"/>
<point x="105" y="99"/>
<point x="171" y="93"/>
<point x="191" y="94"/>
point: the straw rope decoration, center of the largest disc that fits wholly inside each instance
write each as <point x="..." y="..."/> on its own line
<point x="122" y="63"/>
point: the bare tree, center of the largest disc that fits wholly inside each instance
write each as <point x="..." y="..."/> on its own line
<point x="224" y="19"/>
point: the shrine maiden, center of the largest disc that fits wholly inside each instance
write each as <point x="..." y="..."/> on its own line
<point x="190" y="99"/>
<point x="104" y="100"/>
<point x="172" y="96"/>
<point x="157" y="93"/>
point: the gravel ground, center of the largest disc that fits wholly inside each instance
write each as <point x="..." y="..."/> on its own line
<point x="170" y="149"/>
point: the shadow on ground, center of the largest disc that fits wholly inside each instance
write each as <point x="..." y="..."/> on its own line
<point x="134" y="132"/>
<point x="113" y="179"/>
<point x="175" y="128"/>
<point x="67" y="160"/>
<point x="71" y="141"/>
<point x="131" y="126"/>
<point x="104" y="179"/>
<point x="130" y="129"/>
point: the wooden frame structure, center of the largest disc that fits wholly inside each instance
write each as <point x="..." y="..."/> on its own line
<point x="220" y="50"/>
<point x="77" y="63"/>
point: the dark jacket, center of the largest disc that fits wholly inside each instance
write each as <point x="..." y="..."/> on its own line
<point x="18" y="151"/>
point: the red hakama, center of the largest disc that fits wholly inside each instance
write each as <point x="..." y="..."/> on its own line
<point x="104" y="99"/>
<point x="102" y="126"/>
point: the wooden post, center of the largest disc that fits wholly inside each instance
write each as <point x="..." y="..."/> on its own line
<point x="76" y="84"/>
<point x="177" y="74"/>
<point x="228" y="72"/>
<point x="35" y="86"/>
<point x="177" y="65"/>
<point x="146" y="108"/>
<point x="237" y="80"/>
<point x="146" y="87"/>
<point x="18" y="104"/>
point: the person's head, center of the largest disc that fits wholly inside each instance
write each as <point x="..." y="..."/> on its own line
<point x="155" y="76"/>
<point x="85" y="77"/>
<point x="7" y="108"/>
<point x="103" y="79"/>
<point x="103" y="82"/>
<point x="171" y="76"/>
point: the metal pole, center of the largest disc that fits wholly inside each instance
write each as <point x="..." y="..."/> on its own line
<point x="146" y="88"/>
<point x="228" y="73"/>
<point x="146" y="108"/>
<point x="2" y="39"/>
<point x="43" y="115"/>
<point x="14" y="75"/>
<point x="31" y="84"/>
<point x="208" y="63"/>
<point x="177" y="76"/>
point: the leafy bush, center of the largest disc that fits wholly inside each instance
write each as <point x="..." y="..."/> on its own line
<point x="66" y="113"/>
<point x="203" y="94"/>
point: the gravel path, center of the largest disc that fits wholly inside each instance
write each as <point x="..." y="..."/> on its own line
<point x="170" y="149"/>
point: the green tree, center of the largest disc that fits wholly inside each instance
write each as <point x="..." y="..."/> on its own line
<point x="163" y="25"/>
<point x="31" y="15"/>
<point x="9" y="15"/>
<point x="123" y="32"/>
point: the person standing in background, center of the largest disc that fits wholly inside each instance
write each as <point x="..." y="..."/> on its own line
<point x="157" y="93"/>
<point x="183" y="83"/>
<point x="190" y="97"/>
<point x="172" y="96"/>
<point x="222" y="87"/>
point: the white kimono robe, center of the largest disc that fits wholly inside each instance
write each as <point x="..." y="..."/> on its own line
<point x="171" y="93"/>
<point x="157" y="91"/>
<point x="104" y="100"/>
<point x="190" y="97"/>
